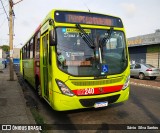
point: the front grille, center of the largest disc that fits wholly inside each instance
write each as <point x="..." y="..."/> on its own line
<point x="92" y="101"/>
<point x="95" y="82"/>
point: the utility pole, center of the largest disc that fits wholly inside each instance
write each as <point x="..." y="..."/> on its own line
<point x="11" y="13"/>
<point x="11" y="39"/>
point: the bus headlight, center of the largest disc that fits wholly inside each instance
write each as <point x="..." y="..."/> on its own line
<point x="64" y="89"/>
<point x="126" y="83"/>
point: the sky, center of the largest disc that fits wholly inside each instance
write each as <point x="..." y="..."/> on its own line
<point x="139" y="17"/>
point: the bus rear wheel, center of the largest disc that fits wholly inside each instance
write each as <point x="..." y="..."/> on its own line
<point x="38" y="88"/>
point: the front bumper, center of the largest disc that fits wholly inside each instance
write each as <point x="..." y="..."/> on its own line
<point x="63" y="102"/>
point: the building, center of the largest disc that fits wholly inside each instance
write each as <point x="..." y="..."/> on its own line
<point x="2" y="54"/>
<point x="16" y="53"/>
<point x="16" y="56"/>
<point x="145" y="49"/>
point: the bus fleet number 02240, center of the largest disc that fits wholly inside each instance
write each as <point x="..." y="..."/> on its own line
<point x="87" y="91"/>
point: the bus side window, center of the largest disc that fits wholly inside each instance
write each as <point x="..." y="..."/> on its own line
<point x="25" y="51"/>
<point x="33" y="46"/>
<point x="28" y="50"/>
<point x="31" y="49"/>
<point x="37" y="45"/>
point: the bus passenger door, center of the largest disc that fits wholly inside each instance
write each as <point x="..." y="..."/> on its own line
<point x="45" y="64"/>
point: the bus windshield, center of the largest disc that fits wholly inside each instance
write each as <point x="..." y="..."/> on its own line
<point x="75" y="57"/>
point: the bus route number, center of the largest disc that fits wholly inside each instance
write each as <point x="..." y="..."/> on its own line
<point x="87" y="91"/>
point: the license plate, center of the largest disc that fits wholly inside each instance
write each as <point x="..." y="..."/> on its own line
<point x="101" y="104"/>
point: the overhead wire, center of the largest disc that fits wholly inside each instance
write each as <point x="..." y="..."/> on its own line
<point x="2" y="23"/>
<point x="12" y="12"/>
<point x="4" y="10"/>
<point x="4" y="6"/>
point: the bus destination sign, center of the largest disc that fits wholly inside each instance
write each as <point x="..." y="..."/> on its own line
<point x="87" y="18"/>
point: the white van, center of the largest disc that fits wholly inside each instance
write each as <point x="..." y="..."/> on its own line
<point x="2" y="65"/>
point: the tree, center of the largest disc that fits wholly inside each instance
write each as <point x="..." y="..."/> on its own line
<point x="5" y="48"/>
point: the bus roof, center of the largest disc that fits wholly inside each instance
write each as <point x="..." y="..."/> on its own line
<point x="81" y="17"/>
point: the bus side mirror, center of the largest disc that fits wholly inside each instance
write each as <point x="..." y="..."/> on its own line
<point x="52" y="38"/>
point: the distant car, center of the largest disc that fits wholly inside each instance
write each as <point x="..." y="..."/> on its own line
<point x="144" y="70"/>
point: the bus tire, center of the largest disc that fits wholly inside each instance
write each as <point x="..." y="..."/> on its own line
<point x="38" y="88"/>
<point x="23" y="73"/>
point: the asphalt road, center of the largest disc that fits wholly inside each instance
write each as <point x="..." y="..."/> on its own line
<point x="143" y="107"/>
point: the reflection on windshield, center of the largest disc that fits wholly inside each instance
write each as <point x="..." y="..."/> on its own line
<point x="75" y="57"/>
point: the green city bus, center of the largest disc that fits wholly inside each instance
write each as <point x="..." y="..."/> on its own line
<point x="77" y="59"/>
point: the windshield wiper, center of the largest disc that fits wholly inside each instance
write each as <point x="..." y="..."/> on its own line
<point x="106" y="38"/>
<point x="103" y="41"/>
<point x="85" y="37"/>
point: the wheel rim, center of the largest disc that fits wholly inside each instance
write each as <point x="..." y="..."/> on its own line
<point x="141" y="76"/>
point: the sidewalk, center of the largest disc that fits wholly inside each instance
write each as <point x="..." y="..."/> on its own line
<point x="13" y="109"/>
